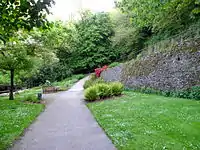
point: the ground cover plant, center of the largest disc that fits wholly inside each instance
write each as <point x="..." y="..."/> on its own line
<point x="141" y="121"/>
<point x="190" y="93"/>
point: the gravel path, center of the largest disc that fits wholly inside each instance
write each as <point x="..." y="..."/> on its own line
<point x="66" y="124"/>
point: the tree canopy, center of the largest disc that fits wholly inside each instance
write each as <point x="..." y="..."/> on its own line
<point x="22" y="14"/>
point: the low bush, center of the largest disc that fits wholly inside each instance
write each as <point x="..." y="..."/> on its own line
<point x="114" y="64"/>
<point x="191" y="93"/>
<point x="92" y="81"/>
<point x="116" y="88"/>
<point x="32" y="98"/>
<point x="88" y="84"/>
<point x="93" y="77"/>
<point x="104" y="90"/>
<point x="195" y="92"/>
<point x="91" y="93"/>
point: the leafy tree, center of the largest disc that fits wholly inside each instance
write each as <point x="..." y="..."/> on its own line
<point x="16" y="15"/>
<point x="160" y="16"/>
<point x="92" y="48"/>
<point x="22" y="14"/>
<point x="127" y="40"/>
<point x="15" y="58"/>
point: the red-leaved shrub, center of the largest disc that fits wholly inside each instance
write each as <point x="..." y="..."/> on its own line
<point x="98" y="71"/>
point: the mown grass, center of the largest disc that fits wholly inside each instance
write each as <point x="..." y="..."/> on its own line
<point x="68" y="82"/>
<point x="15" y="116"/>
<point x="139" y="121"/>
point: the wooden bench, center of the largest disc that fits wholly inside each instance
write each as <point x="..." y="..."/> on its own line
<point x="51" y="89"/>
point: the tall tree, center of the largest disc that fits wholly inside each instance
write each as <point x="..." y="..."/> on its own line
<point x="15" y="15"/>
<point x="16" y="57"/>
<point x="22" y="14"/>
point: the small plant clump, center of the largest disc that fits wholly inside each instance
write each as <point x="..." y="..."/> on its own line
<point x="191" y="93"/>
<point x="92" y="81"/>
<point x="103" y="90"/>
<point x="32" y="98"/>
<point x="91" y="94"/>
<point x="116" y="88"/>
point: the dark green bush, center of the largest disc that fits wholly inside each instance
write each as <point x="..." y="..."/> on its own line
<point x="91" y="93"/>
<point x="54" y="72"/>
<point x="104" y="90"/>
<point x="116" y="88"/>
<point x="195" y="93"/>
<point x="191" y="93"/>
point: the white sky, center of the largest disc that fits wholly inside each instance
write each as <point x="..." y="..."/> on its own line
<point x="64" y="8"/>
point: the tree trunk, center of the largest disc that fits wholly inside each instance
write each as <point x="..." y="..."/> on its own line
<point x="11" y="97"/>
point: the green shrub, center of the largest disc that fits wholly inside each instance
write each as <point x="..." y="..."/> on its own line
<point x="30" y="98"/>
<point x="192" y="93"/>
<point x="195" y="93"/>
<point x="116" y="88"/>
<point x="182" y="93"/>
<point x="104" y="90"/>
<point x="92" y="81"/>
<point x="91" y="93"/>
<point x="88" y="84"/>
<point x="166" y="93"/>
<point x="93" y="77"/>
<point x="114" y="64"/>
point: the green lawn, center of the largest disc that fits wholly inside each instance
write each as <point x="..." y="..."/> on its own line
<point x="68" y="82"/>
<point x="15" y="116"/>
<point x="144" y="122"/>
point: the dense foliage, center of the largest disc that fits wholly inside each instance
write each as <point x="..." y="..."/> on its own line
<point x="92" y="47"/>
<point x="79" y="46"/>
<point x="160" y="15"/>
<point x="97" y="39"/>
<point x="22" y="14"/>
<point x="190" y="93"/>
<point x="141" y="22"/>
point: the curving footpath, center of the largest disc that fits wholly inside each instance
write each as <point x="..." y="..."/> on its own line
<point x="66" y="124"/>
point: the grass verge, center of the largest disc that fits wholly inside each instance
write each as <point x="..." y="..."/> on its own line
<point x="139" y="121"/>
<point x="15" y="116"/>
<point x="68" y="82"/>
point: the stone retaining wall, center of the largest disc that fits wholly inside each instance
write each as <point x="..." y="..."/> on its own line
<point x="163" y="71"/>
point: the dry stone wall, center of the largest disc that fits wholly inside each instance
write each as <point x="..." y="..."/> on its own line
<point x="172" y="70"/>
